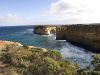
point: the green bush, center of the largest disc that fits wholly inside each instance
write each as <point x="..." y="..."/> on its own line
<point x="54" y="55"/>
<point x="35" y="61"/>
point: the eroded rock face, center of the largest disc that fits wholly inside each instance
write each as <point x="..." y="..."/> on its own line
<point x="5" y="44"/>
<point x="87" y="36"/>
<point x="44" y="30"/>
<point x="61" y="33"/>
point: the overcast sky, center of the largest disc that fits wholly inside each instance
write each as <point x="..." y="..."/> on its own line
<point x="25" y="12"/>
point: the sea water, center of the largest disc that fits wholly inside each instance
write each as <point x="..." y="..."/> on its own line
<point x="25" y="35"/>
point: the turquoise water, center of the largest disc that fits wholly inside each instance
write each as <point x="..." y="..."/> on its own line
<point x="25" y="35"/>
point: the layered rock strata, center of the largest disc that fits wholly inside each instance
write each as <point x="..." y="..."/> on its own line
<point x="87" y="36"/>
<point x="44" y="30"/>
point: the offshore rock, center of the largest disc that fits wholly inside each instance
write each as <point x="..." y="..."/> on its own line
<point x="44" y="30"/>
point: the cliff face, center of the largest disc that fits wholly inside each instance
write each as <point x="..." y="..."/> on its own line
<point x="60" y="32"/>
<point x="44" y="30"/>
<point x="87" y="36"/>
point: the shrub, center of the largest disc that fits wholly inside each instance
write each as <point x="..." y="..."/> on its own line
<point x="37" y="62"/>
<point x="54" y="55"/>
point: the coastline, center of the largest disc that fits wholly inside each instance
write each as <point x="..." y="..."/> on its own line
<point x="82" y="35"/>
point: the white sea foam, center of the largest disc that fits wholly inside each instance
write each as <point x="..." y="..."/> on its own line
<point x="29" y="31"/>
<point x="77" y="54"/>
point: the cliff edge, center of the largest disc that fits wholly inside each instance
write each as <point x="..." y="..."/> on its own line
<point x="87" y="36"/>
<point x="84" y="35"/>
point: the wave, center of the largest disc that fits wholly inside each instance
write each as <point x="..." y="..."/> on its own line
<point x="77" y="54"/>
<point x="28" y="31"/>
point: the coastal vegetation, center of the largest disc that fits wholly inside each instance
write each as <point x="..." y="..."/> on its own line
<point x="27" y="60"/>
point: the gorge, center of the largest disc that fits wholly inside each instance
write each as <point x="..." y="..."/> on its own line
<point x="84" y="35"/>
<point x="26" y="53"/>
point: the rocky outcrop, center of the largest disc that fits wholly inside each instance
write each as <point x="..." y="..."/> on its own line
<point x="6" y="44"/>
<point x="87" y="36"/>
<point x="44" y="30"/>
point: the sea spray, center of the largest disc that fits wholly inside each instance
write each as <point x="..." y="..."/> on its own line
<point x="76" y="54"/>
<point x="28" y="31"/>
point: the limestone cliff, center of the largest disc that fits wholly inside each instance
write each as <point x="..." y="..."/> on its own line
<point x="44" y="30"/>
<point x="87" y="36"/>
<point x="60" y="33"/>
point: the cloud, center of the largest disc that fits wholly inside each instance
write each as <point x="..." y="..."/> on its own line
<point x="60" y="12"/>
<point x="11" y="19"/>
<point x="75" y="11"/>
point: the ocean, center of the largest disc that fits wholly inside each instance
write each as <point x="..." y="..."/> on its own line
<point x="25" y="35"/>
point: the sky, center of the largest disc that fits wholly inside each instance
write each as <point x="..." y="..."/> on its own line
<point x="35" y="12"/>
